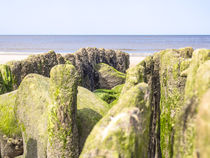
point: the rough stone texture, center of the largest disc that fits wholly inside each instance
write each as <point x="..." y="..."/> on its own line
<point x="62" y="128"/>
<point x="90" y="110"/>
<point x="134" y="75"/>
<point x="172" y="86"/>
<point x="197" y="84"/>
<point x="109" y="77"/>
<point x="10" y="135"/>
<point x="10" y="147"/>
<point x="162" y="111"/>
<point x="186" y="52"/>
<point x="85" y="60"/>
<point x="31" y="110"/>
<point x="39" y="64"/>
<point x="203" y="127"/>
<point x="123" y="132"/>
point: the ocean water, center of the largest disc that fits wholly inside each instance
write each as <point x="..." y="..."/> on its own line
<point x="127" y="43"/>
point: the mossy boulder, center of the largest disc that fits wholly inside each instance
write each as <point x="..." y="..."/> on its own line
<point x="85" y="60"/>
<point x="172" y="86"/>
<point x="109" y="77"/>
<point x="186" y="52"/>
<point x="39" y="64"/>
<point x="197" y="84"/>
<point x="11" y="144"/>
<point x="203" y="127"/>
<point x="32" y="103"/>
<point x="123" y="131"/>
<point x="109" y="95"/>
<point x="62" y="128"/>
<point x="90" y="109"/>
<point x="134" y="75"/>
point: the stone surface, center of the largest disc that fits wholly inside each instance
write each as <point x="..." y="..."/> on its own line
<point x="134" y="75"/>
<point x="85" y="60"/>
<point x="123" y="132"/>
<point x="172" y="86"/>
<point x="31" y="110"/>
<point x="11" y="147"/>
<point x="62" y="128"/>
<point x="10" y="134"/>
<point x="109" y="77"/>
<point x="39" y="64"/>
<point x="197" y="84"/>
<point x="203" y="127"/>
<point x="90" y="110"/>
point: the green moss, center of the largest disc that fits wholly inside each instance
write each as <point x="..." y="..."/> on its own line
<point x="172" y="96"/>
<point x="109" y="95"/>
<point x="90" y="109"/>
<point x="186" y="52"/>
<point x="62" y="112"/>
<point x="199" y="57"/>
<point x="102" y="67"/>
<point x="134" y="76"/>
<point x="6" y="79"/>
<point x="8" y="122"/>
<point x="202" y="126"/>
<point x="198" y="82"/>
<point x="116" y="134"/>
<point x="31" y="108"/>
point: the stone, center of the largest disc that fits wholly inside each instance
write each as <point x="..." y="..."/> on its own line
<point x="134" y="75"/>
<point x="202" y="144"/>
<point x="62" y="128"/>
<point x="109" y="77"/>
<point x="39" y="64"/>
<point x="197" y="84"/>
<point x="124" y="130"/>
<point x="90" y="109"/>
<point x="85" y="59"/>
<point x="186" y="52"/>
<point x="31" y="108"/>
<point x="172" y="86"/>
<point x="11" y="144"/>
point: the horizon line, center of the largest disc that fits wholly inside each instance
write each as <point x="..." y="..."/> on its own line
<point x="104" y="34"/>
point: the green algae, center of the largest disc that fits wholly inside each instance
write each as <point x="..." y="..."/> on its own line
<point x="102" y="67"/>
<point x="134" y="76"/>
<point x="196" y="85"/>
<point x="90" y="109"/>
<point x="62" y="129"/>
<point x="172" y="96"/>
<point x="6" y="79"/>
<point x="110" y="96"/>
<point x="126" y="139"/>
<point x="31" y="108"/>
<point x="8" y="122"/>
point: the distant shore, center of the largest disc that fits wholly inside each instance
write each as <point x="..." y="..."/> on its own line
<point x="135" y="58"/>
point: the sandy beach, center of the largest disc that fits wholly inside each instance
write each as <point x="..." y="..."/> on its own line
<point x="4" y="57"/>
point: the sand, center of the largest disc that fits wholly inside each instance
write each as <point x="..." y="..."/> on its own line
<point x="4" y="58"/>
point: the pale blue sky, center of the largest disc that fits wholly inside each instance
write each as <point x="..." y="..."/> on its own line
<point x="139" y="17"/>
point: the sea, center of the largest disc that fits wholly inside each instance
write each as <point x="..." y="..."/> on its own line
<point x="141" y="44"/>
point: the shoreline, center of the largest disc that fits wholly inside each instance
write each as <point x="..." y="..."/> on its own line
<point x="135" y="58"/>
